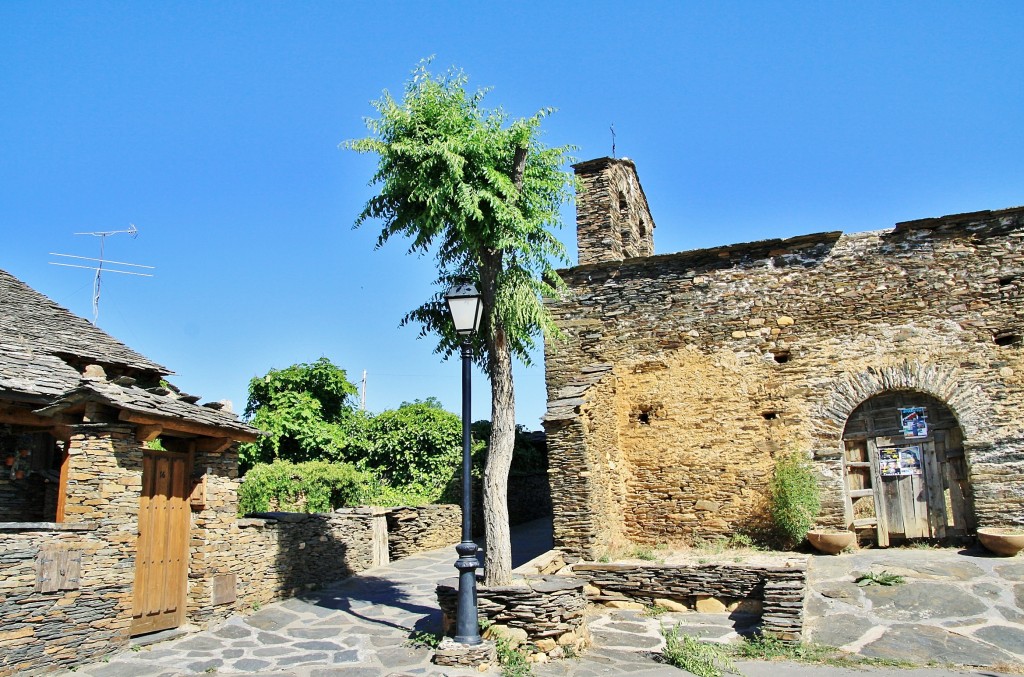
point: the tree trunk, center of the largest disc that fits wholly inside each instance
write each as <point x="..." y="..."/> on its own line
<point x="499" y="460"/>
<point x="498" y="570"/>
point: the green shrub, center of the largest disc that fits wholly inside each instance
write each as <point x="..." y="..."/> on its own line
<point x="794" y="498"/>
<point x="313" y="486"/>
<point x="690" y="654"/>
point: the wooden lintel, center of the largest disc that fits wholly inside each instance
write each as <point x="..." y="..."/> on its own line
<point x="19" y="416"/>
<point x="213" y="445"/>
<point x="172" y="425"/>
<point x="147" y="433"/>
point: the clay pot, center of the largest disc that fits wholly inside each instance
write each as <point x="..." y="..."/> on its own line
<point x="831" y="542"/>
<point x="1002" y="541"/>
<point x="9" y="461"/>
<point x="19" y="475"/>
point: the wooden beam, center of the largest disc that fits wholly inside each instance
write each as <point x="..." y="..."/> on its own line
<point x="213" y="445"/>
<point x="147" y="433"/>
<point x="170" y="424"/>
<point x="18" y="416"/>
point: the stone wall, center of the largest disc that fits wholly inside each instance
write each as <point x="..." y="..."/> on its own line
<point x="277" y="555"/>
<point x="546" y="611"/>
<point x="87" y="615"/>
<point x="683" y="375"/>
<point x="60" y="627"/>
<point x="777" y="592"/>
<point x="417" y="529"/>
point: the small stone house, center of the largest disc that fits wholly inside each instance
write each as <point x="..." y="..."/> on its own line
<point x="892" y="358"/>
<point x="117" y="492"/>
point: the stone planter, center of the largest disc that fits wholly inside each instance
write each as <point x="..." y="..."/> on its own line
<point x="1001" y="541"/>
<point x="831" y="542"/>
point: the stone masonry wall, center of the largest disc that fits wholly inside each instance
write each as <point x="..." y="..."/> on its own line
<point x="89" y="616"/>
<point x="277" y="555"/>
<point x="427" y="527"/>
<point x="685" y="374"/>
<point x="778" y="591"/>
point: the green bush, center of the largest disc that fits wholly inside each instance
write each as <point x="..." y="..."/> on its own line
<point x="794" y="498"/>
<point x="688" y="653"/>
<point x="313" y="486"/>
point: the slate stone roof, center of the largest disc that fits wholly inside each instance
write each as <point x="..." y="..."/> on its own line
<point x="43" y="346"/>
<point x="32" y="324"/>
<point x="26" y="372"/>
<point x="130" y="397"/>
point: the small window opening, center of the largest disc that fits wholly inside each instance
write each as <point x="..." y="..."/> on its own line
<point x="1008" y="279"/>
<point x="1007" y="339"/>
<point x="781" y="356"/>
<point x="769" y="415"/>
<point x="646" y="413"/>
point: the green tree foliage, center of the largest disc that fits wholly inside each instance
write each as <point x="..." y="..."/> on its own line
<point x="417" y="447"/>
<point x="481" y="193"/>
<point x="794" y="498"/>
<point x="313" y="486"/>
<point x="307" y="413"/>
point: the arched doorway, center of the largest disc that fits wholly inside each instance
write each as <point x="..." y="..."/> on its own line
<point x="905" y="473"/>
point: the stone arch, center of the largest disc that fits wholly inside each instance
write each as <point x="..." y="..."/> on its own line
<point x="968" y="403"/>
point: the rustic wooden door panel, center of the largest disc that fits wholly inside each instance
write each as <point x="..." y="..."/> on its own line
<point x="161" y="563"/>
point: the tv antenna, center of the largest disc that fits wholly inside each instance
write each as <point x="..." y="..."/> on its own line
<point x="98" y="267"/>
<point x="612" y="128"/>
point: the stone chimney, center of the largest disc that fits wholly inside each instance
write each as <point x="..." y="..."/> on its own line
<point x="613" y="221"/>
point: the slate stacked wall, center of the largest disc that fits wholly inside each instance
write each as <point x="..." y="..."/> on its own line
<point x="87" y="617"/>
<point x="685" y="374"/>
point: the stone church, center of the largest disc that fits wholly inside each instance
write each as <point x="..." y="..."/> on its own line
<point x="892" y="358"/>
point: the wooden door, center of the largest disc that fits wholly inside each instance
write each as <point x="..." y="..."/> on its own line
<point x="161" y="561"/>
<point x="902" y="492"/>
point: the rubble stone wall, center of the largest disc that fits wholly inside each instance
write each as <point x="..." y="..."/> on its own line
<point x="88" y="615"/>
<point x="778" y="590"/>
<point x="683" y="375"/>
<point x="427" y="527"/>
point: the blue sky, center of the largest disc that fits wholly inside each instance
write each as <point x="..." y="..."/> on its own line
<point x="214" y="128"/>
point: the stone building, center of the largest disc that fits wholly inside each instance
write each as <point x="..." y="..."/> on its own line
<point x="892" y="358"/>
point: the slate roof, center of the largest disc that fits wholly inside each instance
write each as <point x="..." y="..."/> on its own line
<point x="32" y="323"/>
<point x="38" y="339"/>
<point x="132" y="398"/>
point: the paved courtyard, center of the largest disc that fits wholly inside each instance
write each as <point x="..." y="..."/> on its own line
<point x="954" y="608"/>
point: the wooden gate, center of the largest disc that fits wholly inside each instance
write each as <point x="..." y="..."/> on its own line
<point x="906" y="487"/>
<point x="161" y="561"/>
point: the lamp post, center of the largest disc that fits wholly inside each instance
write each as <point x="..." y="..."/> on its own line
<point x="466" y="308"/>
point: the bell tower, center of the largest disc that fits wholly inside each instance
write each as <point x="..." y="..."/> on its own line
<point x="613" y="221"/>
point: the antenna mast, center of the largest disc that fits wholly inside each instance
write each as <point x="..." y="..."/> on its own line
<point x="612" y="128"/>
<point x="98" y="277"/>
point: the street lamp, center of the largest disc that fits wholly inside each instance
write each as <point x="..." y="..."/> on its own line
<point x="466" y="307"/>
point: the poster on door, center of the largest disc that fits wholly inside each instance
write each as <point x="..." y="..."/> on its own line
<point x="913" y="422"/>
<point x="899" y="461"/>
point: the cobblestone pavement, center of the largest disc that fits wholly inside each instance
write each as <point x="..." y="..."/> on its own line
<point x="361" y="627"/>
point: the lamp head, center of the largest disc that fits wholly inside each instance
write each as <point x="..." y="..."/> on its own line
<point x="466" y="308"/>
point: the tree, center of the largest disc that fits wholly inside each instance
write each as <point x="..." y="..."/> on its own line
<point x="306" y="411"/>
<point x="481" y="193"/>
<point x="416" y="448"/>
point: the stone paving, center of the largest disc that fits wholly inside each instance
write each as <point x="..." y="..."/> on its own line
<point x="361" y="627"/>
<point x="954" y="606"/>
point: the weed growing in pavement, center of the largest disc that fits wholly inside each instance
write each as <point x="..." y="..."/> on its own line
<point x="512" y="661"/>
<point x="424" y="640"/>
<point x="654" y="610"/>
<point x="690" y="654"/>
<point x="883" y="578"/>
<point x="768" y="648"/>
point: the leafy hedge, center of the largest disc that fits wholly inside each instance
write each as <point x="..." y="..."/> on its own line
<point x="313" y="486"/>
